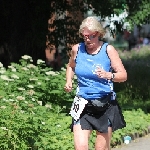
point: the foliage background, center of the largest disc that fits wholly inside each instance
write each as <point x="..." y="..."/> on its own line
<point x="34" y="108"/>
<point x="24" y="24"/>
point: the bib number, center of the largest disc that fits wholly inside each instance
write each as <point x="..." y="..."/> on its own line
<point x="77" y="107"/>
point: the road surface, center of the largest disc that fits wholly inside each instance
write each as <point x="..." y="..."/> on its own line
<point x="142" y="143"/>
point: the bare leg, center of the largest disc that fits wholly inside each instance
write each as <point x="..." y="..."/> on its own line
<point x="103" y="140"/>
<point x="109" y="136"/>
<point x="81" y="137"/>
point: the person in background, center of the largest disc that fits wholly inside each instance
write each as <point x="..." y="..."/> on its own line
<point x="97" y="65"/>
<point x="146" y="40"/>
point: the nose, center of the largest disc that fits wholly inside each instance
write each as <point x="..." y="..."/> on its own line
<point x="86" y="38"/>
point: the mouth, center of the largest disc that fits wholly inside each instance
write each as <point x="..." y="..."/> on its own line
<point x="88" y="43"/>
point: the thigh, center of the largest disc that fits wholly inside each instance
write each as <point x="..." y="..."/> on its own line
<point x="103" y="140"/>
<point x="81" y="137"/>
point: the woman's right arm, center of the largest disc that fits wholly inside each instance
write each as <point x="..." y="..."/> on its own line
<point x="70" y="68"/>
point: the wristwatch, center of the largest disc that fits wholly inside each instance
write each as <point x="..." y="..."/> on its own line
<point x="112" y="76"/>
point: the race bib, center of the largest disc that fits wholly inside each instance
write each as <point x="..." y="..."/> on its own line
<point x="77" y="107"/>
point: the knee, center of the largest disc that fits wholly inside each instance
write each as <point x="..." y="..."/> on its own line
<point x="102" y="144"/>
<point x="101" y="147"/>
<point x="81" y="146"/>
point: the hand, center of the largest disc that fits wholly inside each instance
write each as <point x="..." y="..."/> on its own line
<point x="68" y="87"/>
<point x="101" y="73"/>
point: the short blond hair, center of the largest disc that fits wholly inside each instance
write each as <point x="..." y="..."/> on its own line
<point x="92" y="24"/>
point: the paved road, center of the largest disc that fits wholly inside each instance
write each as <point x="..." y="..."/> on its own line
<point x="138" y="144"/>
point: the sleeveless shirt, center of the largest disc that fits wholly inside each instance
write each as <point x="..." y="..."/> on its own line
<point x="90" y="86"/>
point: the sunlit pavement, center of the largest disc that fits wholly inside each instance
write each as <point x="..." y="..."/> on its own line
<point x="142" y="143"/>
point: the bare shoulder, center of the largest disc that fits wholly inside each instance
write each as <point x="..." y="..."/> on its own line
<point x="75" y="47"/>
<point x="110" y="48"/>
<point x="112" y="51"/>
<point x="114" y="57"/>
<point x="74" y="50"/>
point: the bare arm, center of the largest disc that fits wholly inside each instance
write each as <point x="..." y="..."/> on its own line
<point x="116" y="64"/>
<point x="71" y="64"/>
<point x="69" y="71"/>
<point x="70" y="68"/>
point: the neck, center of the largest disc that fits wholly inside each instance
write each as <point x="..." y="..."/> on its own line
<point x="95" y="49"/>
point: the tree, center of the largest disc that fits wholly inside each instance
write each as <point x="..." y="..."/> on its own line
<point x="139" y="12"/>
<point x="23" y="28"/>
<point x="63" y="25"/>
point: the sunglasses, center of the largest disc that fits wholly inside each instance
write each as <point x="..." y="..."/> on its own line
<point x="90" y="37"/>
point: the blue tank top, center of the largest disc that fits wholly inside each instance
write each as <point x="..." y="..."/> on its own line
<point x="90" y="86"/>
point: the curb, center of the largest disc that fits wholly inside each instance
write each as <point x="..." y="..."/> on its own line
<point x="133" y="137"/>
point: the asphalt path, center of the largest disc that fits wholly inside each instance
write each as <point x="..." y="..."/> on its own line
<point x="142" y="143"/>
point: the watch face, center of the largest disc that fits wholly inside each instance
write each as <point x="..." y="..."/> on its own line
<point x="112" y="76"/>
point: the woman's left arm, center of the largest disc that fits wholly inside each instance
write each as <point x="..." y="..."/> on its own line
<point x="120" y="74"/>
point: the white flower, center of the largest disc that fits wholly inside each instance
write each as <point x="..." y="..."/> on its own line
<point x="63" y="69"/>
<point x="31" y="60"/>
<point x="10" y="80"/>
<point x="4" y="77"/>
<point x="22" y="111"/>
<point x="47" y="79"/>
<point x="31" y="92"/>
<point x="2" y="71"/>
<point x="13" y="69"/>
<point x="39" y="102"/>
<point x="58" y="125"/>
<point x="48" y="106"/>
<point x="31" y="66"/>
<point x="11" y="100"/>
<point x="20" y="98"/>
<point x="50" y="73"/>
<point x="4" y="128"/>
<point x="14" y="76"/>
<point x="32" y="72"/>
<point x="26" y="102"/>
<point x="39" y="61"/>
<point x="30" y="86"/>
<point x="39" y="83"/>
<point x="24" y="68"/>
<point x="3" y="107"/>
<point x="21" y="89"/>
<point x="33" y="99"/>
<point x="4" y="99"/>
<point x="33" y="79"/>
<point x="43" y="123"/>
<point x="26" y="57"/>
<point x="1" y="65"/>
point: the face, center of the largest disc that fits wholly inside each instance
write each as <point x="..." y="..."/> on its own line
<point x="90" y="38"/>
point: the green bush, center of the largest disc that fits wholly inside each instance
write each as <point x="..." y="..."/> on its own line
<point x="33" y="128"/>
<point x="34" y="107"/>
<point x="135" y="92"/>
<point x="32" y="101"/>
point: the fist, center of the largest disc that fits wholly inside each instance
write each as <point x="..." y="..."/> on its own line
<point x="68" y="87"/>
